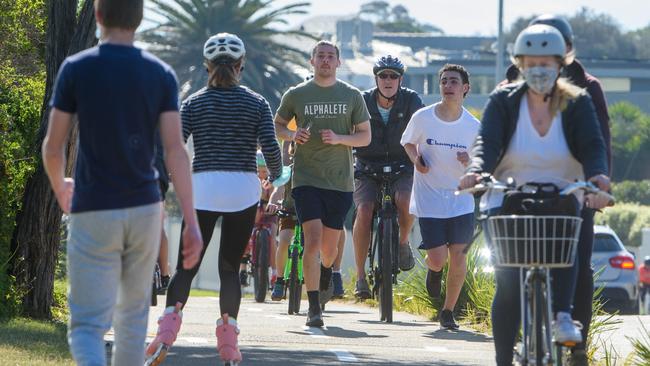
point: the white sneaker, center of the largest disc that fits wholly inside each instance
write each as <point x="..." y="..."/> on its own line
<point x="565" y="330"/>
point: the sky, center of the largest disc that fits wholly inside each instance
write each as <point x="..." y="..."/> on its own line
<point x="479" y="17"/>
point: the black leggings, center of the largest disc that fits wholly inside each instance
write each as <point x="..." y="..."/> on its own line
<point x="236" y="228"/>
<point x="584" y="292"/>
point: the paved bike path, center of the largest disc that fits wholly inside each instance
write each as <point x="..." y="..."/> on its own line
<point x="353" y="335"/>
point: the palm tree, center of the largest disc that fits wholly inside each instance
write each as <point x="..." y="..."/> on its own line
<point x="186" y="24"/>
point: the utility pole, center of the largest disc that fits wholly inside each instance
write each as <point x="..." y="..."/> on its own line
<point x="498" y="76"/>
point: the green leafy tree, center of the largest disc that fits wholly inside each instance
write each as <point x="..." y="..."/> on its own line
<point x="641" y="40"/>
<point x="22" y="82"/>
<point x="395" y="19"/>
<point x="186" y="24"/>
<point x="630" y="141"/>
<point x="35" y="240"/>
<point x="596" y="35"/>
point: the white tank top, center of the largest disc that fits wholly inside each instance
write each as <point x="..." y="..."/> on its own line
<point x="534" y="158"/>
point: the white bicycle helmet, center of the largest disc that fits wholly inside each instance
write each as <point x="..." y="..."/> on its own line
<point x="224" y="45"/>
<point x="540" y="40"/>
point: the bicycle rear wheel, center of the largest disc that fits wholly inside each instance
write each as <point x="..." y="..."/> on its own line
<point x="386" y="271"/>
<point x="261" y="270"/>
<point x="295" y="285"/>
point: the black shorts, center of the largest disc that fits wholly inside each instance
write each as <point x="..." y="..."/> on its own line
<point x="330" y="206"/>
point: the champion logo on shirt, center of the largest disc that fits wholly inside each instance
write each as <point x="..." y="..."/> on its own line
<point x="447" y="144"/>
<point x="325" y="110"/>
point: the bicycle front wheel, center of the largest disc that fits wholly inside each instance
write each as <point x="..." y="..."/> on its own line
<point x="295" y="285"/>
<point x="386" y="271"/>
<point x="261" y="270"/>
<point x="538" y="302"/>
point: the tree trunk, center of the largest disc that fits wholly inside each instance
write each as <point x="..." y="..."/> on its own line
<point x="37" y="235"/>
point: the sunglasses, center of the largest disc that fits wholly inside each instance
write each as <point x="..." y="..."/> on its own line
<point x="385" y="76"/>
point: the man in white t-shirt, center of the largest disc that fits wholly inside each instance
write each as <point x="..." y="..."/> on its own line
<point x="437" y="140"/>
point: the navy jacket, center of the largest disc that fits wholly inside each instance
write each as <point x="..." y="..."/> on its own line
<point x="579" y="123"/>
<point x="385" y="144"/>
<point x="581" y="78"/>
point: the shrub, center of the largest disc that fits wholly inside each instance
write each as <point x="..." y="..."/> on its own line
<point x="632" y="191"/>
<point x="627" y="220"/>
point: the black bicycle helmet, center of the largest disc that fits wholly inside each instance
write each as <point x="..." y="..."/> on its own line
<point x="558" y="22"/>
<point x="388" y="63"/>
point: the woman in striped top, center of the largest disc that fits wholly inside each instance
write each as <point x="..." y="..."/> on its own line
<point x="227" y="121"/>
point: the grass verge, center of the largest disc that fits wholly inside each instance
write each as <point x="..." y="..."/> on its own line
<point x="33" y="342"/>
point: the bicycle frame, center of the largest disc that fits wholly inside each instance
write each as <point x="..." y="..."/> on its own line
<point x="385" y="241"/>
<point x="296" y="243"/>
<point x="385" y="210"/>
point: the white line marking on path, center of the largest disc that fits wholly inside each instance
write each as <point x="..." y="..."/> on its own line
<point x="343" y="355"/>
<point x="254" y="309"/>
<point x="315" y="332"/>
<point x="194" y="340"/>
<point x="278" y="317"/>
<point x="437" y="349"/>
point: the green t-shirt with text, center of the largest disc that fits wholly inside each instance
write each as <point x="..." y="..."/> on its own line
<point x="339" y="108"/>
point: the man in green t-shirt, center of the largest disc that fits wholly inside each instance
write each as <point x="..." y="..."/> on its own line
<point x="332" y="118"/>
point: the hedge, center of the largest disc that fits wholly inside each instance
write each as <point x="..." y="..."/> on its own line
<point x="627" y="220"/>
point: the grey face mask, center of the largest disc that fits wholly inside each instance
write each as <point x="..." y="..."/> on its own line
<point x="540" y="79"/>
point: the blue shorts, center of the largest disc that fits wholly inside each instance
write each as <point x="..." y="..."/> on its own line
<point x="438" y="232"/>
<point x="330" y="206"/>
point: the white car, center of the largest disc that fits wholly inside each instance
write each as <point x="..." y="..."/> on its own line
<point x="618" y="274"/>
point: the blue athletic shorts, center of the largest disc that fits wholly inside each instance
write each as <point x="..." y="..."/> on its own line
<point x="454" y="230"/>
<point x="328" y="205"/>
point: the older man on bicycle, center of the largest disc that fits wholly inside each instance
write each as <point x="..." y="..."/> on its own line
<point x="390" y="106"/>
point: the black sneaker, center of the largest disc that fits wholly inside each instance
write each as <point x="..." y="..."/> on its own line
<point x="362" y="290"/>
<point x="447" y="320"/>
<point x="325" y="278"/>
<point x="434" y="283"/>
<point x="314" y="319"/>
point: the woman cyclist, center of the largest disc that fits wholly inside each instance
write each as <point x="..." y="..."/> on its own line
<point x="542" y="129"/>
<point x="226" y="121"/>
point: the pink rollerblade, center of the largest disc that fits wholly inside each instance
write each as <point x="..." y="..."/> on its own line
<point x="168" y="326"/>
<point x="227" y="331"/>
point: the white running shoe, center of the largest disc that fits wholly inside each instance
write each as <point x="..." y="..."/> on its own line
<point x="565" y="330"/>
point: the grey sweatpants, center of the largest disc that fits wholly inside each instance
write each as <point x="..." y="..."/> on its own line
<point x="111" y="256"/>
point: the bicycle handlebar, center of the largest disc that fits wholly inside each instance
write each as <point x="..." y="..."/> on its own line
<point x="588" y="188"/>
<point x="489" y="182"/>
<point x="381" y="171"/>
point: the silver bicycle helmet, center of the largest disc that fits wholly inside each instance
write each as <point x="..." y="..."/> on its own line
<point x="224" y="45"/>
<point x="540" y="40"/>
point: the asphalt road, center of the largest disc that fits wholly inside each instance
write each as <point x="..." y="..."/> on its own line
<point x="353" y="335"/>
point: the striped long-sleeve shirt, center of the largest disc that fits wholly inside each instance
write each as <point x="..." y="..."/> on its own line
<point x="226" y="125"/>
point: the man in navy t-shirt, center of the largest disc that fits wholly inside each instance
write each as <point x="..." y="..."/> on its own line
<point x="120" y="95"/>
